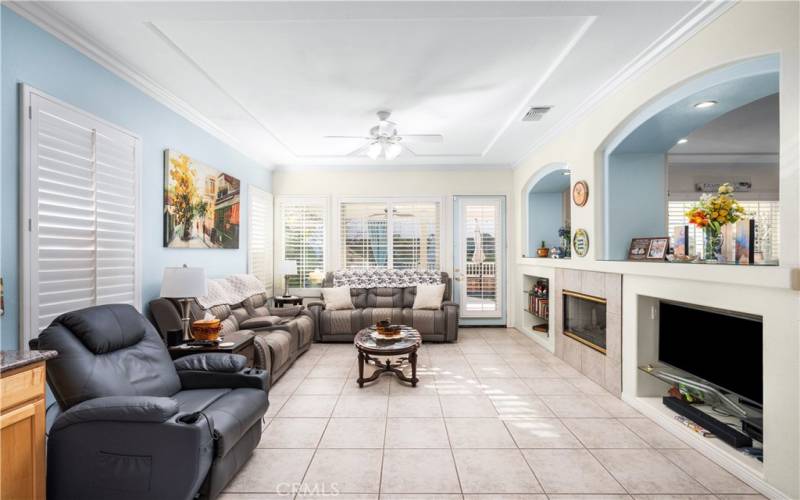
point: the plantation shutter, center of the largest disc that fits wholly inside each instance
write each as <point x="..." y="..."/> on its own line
<point x="303" y="231"/>
<point x="395" y="235"/>
<point x="363" y="235"/>
<point x="259" y="262"/>
<point x="81" y="201"/>
<point x="415" y="235"/>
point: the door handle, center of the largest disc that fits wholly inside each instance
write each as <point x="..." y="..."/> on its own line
<point x="457" y="278"/>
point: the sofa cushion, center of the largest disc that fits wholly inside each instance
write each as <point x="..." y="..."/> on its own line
<point x="281" y="345"/>
<point x="385" y="297"/>
<point x="428" y="322"/>
<point x="339" y="322"/>
<point x="372" y="315"/>
<point x="429" y="297"/>
<point x="337" y="299"/>
<point x="259" y="322"/>
<point x="232" y="411"/>
<point x="234" y="414"/>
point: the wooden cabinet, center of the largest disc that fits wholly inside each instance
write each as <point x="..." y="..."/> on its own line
<point x="22" y="433"/>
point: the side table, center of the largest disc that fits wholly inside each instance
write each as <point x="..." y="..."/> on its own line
<point x="242" y="344"/>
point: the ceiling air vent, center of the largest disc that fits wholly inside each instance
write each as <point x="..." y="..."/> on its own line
<point x="536" y="113"/>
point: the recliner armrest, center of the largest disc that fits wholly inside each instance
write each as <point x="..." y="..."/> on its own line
<point x="216" y="370"/>
<point x="449" y="303"/>
<point x="141" y="409"/>
<point x="211" y="362"/>
<point x="316" y="303"/>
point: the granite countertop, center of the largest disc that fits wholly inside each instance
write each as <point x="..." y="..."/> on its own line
<point x="11" y="360"/>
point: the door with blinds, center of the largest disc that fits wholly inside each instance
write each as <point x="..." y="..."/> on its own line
<point x="479" y="259"/>
<point x="79" y="212"/>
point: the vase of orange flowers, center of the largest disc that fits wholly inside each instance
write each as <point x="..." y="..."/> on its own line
<point x="710" y="214"/>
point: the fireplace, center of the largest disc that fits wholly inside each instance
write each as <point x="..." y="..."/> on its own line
<point x="585" y="319"/>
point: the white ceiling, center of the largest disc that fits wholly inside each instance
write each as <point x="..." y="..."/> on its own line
<point x="275" y="77"/>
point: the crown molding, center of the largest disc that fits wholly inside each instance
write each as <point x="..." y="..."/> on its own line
<point x="388" y="166"/>
<point x="680" y="32"/>
<point x="43" y="17"/>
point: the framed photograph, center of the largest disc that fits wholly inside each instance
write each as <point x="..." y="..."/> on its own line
<point x="639" y="248"/>
<point x="201" y="204"/>
<point x="658" y="249"/>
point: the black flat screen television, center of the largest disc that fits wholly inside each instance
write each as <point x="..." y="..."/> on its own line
<point x="723" y="348"/>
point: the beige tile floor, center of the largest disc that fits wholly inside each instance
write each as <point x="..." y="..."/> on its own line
<point x="495" y="417"/>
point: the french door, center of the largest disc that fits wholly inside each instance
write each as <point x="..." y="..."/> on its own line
<point x="479" y="259"/>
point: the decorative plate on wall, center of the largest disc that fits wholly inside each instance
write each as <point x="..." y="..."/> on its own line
<point x="580" y="193"/>
<point x="580" y="242"/>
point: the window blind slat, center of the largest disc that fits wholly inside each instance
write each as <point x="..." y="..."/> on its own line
<point x="303" y="230"/>
<point x="259" y="261"/>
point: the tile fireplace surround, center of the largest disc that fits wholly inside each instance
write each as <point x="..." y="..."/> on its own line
<point x="604" y="369"/>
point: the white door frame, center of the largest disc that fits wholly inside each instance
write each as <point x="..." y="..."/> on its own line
<point x="459" y="253"/>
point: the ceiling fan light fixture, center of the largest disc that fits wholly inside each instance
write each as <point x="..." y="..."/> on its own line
<point x="392" y="151"/>
<point x="374" y="150"/>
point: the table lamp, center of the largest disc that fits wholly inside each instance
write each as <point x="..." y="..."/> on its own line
<point x="287" y="268"/>
<point x="184" y="283"/>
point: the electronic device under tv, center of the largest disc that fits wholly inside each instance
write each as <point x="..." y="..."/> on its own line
<point x="721" y="347"/>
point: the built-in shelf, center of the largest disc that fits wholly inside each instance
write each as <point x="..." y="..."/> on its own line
<point x="541" y="329"/>
<point x="534" y="314"/>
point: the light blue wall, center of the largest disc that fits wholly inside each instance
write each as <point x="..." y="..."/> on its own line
<point x="34" y="57"/>
<point x="637" y="200"/>
<point x="546" y="216"/>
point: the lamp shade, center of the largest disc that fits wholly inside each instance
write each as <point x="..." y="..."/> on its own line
<point x="182" y="282"/>
<point x="287" y="267"/>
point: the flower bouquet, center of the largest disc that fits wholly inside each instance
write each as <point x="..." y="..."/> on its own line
<point x="710" y="214"/>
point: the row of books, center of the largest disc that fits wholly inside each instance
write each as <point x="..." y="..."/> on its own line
<point x="540" y="306"/>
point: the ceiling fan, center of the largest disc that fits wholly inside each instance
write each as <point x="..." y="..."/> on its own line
<point x="384" y="141"/>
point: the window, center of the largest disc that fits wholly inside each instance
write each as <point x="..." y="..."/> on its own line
<point x="80" y="203"/>
<point x="303" y="237"/>
<point x="259" y="255"/>
<point x="396" y="234"/>
<point x="765" y="213"/>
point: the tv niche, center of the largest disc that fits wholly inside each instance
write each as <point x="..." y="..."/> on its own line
<point x="713" y="360"/>
<point x="585" y="319"/>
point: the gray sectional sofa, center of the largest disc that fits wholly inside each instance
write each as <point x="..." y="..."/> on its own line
<point x="374" y="303"/>
<point x="281" y="334"/>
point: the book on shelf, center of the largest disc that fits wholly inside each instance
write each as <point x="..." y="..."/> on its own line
<point x="540" y="306"/>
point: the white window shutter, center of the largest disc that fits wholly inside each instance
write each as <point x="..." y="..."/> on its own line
<point x="259" y="262"/>
<point x="80" y="203"/>
<point x="303" y="238"/>
<point x="393" y="234"/>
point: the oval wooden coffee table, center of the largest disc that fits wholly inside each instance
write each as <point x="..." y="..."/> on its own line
<point x="369" y="346"/>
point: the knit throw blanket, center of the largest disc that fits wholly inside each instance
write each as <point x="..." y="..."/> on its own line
<point x="385" y="278"/>
<point x="231" y="290"/>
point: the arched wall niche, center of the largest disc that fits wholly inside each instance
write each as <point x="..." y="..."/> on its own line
<point x="631" y="164"/>
<point x="545" y="206"/>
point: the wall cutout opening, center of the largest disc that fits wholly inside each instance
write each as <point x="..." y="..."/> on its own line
<point x="548" y="212"/>
<point x="701" y="166"/>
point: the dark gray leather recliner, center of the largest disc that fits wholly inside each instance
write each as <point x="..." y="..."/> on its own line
<point x="134" y="425"/>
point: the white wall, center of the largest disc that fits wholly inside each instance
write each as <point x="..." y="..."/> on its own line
<point x="748" y="29"/>
<point x="681" y="178"/>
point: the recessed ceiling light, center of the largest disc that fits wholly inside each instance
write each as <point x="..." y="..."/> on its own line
<point x="566" y="172"/>
<point x="705" y="104"/>
<point x="683" y="141"/>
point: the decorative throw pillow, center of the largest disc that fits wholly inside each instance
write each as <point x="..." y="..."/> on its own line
<point x="337" y="298"/>
<point x="429" y="297"/>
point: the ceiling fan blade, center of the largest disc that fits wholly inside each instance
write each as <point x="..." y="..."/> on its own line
<point x="408" y="149"/>
<point x="360" y="137"/>
<point x="358" y="151"/>
<point x="429" y="138"/>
